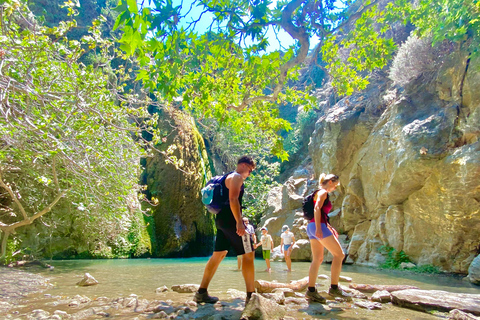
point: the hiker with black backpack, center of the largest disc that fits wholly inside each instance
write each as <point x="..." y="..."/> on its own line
<point x="323" y="235"/>
<point x="231" y="231"/>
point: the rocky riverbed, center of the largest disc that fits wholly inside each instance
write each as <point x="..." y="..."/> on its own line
<point x="23" y="296"/>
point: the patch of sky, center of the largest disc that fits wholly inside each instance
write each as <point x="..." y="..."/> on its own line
<point x="194" y="17"/>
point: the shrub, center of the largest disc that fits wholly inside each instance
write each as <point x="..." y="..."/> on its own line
<point x="427" y="268"/>
<point x="417" y="58"/>
<point x="393" y="257"/>
<point x="295" y="138"/>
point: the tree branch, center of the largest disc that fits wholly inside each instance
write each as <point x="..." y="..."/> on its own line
<point x="28" y="220"/>
<point x="354" y="16"/>
<point x="298" y="33"/>
<point x="55" y="178"/>
<point x="6" y="234"/>
<point x="14" y="197"/>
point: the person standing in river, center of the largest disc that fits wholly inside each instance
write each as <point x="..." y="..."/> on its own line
<point x="231" y="231"/>
<point x="286" y="245"/>
<point x="251" y="230"/>
<point x="323" y="235"/>
<point x="266" y="242"/>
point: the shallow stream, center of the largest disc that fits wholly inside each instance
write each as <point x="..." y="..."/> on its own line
<point x="121" y="278"/>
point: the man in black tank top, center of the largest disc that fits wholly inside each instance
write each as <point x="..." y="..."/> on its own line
<point x="231" y="232"/>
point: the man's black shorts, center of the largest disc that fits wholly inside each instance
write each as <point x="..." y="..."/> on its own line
<point x="227" y="234"/>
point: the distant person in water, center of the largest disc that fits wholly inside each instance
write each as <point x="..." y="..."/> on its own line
<point x="266" y="242"/>
<point x="286" y="245"/>
<point x="323" y="235"/>
<point x="249" y="228"/>
<point x="231" y="232"/>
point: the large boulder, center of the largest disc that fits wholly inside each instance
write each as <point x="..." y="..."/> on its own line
<point x="301" y="250"/>
<point x="427" y="300"/>
<point x="285" y="208"/>
<point x="260" y="308"/>
<point x="175" y="177"/>
<point x="407" y="151"/>
<point x="474" y="271"/>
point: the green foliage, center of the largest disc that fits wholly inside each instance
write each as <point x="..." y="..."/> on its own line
<point x="426" y="268"/>
<point x="86" y="12"/>
<point x="453" y="20"/>
<point x="296" y="136"/>
<point x="70" y="144"/>
<point x="216" y="72"/>
<point x="257" y="187"/>
<point x="13" y="251"/>
<point x="366" y="47"/>
<point x="393" y="257"/>
<point x="230" y="144"/>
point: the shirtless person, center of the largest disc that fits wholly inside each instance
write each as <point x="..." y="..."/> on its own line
<point x="231" y="232"/>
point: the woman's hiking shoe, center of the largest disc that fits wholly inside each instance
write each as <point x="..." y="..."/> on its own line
<point x="339" y="293"/>
<point x="204" y="298"/>
<point x="315" y="297"/>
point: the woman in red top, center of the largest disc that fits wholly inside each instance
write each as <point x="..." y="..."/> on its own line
<point x="323" y="235"/>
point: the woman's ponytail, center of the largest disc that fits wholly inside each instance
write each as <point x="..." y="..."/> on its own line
<point x="324" y="178"/>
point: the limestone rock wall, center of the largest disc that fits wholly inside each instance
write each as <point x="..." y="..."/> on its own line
<point x="182" y="225"/>
<point x="415" y="180"/>
<point x="408" y="158"/>
<point x="284" y="208"/>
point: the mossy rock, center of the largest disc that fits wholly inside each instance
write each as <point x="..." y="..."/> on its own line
<point x="182" y="225"/>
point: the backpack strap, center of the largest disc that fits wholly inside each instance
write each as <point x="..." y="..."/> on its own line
<point x="223" y="184"/>
<point x="325" y="215"/>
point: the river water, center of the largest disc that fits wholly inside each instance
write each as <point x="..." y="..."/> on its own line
<point x="120" y="278"/>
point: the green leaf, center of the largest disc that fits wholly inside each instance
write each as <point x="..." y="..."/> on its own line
<point x="121" y="19"/>
<point x="132" y="6"/>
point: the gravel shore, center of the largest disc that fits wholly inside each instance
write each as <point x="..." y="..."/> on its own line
<point x="16" y="284"/>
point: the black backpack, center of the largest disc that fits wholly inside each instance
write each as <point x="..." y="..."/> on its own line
<point x="308" y="205"/>
<point x="213" y="195"/>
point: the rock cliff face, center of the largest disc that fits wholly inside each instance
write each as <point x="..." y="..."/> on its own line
<point x="182" y="226"/>
<point x="408" y="157"/>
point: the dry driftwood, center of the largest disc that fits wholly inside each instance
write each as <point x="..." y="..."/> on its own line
<point x="263" y="286"/>
<point x="377" y="287"/>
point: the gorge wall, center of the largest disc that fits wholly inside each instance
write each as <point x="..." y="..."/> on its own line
<point x="408" y="156"/>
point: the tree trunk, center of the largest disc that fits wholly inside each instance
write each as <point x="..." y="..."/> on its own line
<point x="4" y="244"/>
<point x="7" y="229"/>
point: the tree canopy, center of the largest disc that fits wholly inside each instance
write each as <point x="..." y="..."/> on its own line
<point x="228" y="73"/>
